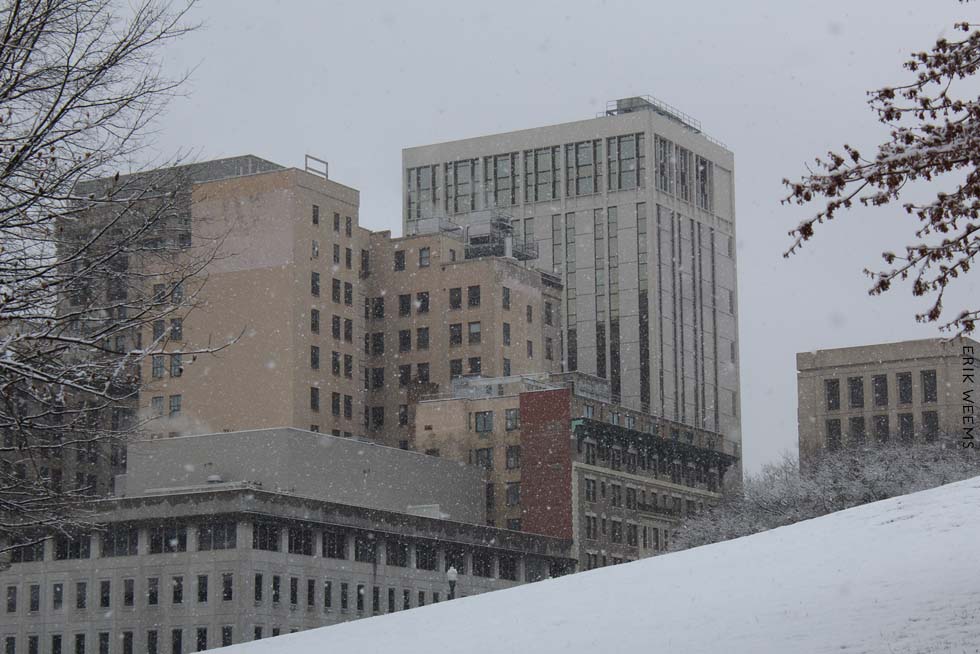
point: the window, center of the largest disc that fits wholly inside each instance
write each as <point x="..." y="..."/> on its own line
<point x="335" y="290"/>
<point x="175" y="405"/>
<point x="257" y="589"/>
<point x="512" y="419"/>
<point x="930" y="425"/>
<point x="81" y="595"/>
<point x="348" y="225"/>
<point x="168" y="539"/>
<point x="506" y="297"/>
<point x="855" y="392"/>
<point x="833" y="434"/>
<point x="404" y="305"/>
<point x="105" y="595"/>
<point x="506" y="335"/>
<point x="513" y="493"/>
<point x="422" y="338"/>
<point x="530" y="314"/>
<point x="456" y="298"/>
<point x="153" y="591"/>
<point x="266" y="537"/>
<point x="378" y="343"/>
<point x="880" y="426"/>
<point x="316" y="214"/>
<point x="348" y="259"/>
<point x="424" y="255"/>
<point x="422" y="373"/>
<point x="314" y="398"/>
<point x="484" y="421"/>
<point x="473" y="331"/>
<point x="177" y="590"/>
<point x="425" y="556"/>
<point x="120" y="541"/>
<point x="422" y="302"/>
<point x="590" y="490"/>
<point x="348" y="330"/>
<point x="365" y="549"/>
<point x="176" y="641"/>
<point x="336" y="253"/>
<point x="904" y="387"/>
<point x="856" y="430"/>
<point x="276" y="589"/>
<point x="310" y="593"/>
<point x="484" y="458"/>
<point x="404" y="375"/>
<point x="929" y="389"/>
<point x="129" y="592"/>
<point x="879" y="390"/>
<point x="66" y="548"/>
<point x="300" y="541"/>
<point x="548" y="349"/>
<point x="455" y="368"/>
<point x="616" y="531"/>
<point x="334" y="545"/>
<point x="832" y="390"/>
<point x="314" y="357"/>
<point x="156" y="406"/>
<point x="159" y="327"/>
<point x="473" y="296"/>
<point x="348" y="294"/>
<point x="548" y="313"/>
<point x="335" y="326"/>
<point x="405" y="340"/>
<point x="157" y="367"/>
<point x="475" y="365"/>
<point x="513" y="457"/>
<point x="456" y="333"/>
<point x="152" y="642"/>
<point x="57" y="596"/>
<point x="202" y="589"/>
<point x="176" y="365"/>
<point x="506" y="367"/>
<point x="336" y="222"/>
<point x="314" y="285"/>
<point x="530" y="349"/>
<point x="294" y="590"/>
<point x="402" y="415"/>
<point x="906" y="427"/>
<point x="327" y="595"/>
<point x="399" y="260"/>
<point x="226" y="632"/>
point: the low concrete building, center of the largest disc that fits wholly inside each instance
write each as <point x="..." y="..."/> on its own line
<point x="249" y="542"/>
<point x="562" y="459"/>
<point x="910" y="391"/>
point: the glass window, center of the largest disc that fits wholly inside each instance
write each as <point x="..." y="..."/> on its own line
<point x="879" y="389"/>
<point x="855" y="391"/>
<point x="484" y="421"/>
<point x="930" y="391"/>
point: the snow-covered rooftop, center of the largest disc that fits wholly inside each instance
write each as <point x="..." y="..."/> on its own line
<point x="898" y="576"/>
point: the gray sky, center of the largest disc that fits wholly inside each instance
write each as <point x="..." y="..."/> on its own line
<point x="779" y="82"/>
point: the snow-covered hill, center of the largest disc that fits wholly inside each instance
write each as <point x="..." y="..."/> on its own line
<point x="898" y="576"/>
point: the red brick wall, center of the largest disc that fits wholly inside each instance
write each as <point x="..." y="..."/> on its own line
<point x="546" y="463"/>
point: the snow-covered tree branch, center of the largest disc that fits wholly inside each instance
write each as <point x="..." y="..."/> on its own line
<point x="934" y="137"/>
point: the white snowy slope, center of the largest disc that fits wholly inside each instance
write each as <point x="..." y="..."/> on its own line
<point x="898" y="576"/>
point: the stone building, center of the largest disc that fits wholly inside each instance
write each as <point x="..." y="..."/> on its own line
<point x="265" y="532"/>
<point x="906" y="391"/>
<point x="561" y="459"/>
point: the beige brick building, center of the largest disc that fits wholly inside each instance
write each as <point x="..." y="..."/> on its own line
<point x="321" y="324"/>
<point x="906" y="391"/>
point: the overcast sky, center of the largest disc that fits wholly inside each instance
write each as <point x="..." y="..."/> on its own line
<point x="779" y="82"/>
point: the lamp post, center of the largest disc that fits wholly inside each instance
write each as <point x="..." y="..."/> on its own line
<point x="451" y="576"/>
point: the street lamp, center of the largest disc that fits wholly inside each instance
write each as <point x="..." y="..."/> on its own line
<point x="451" y="576"/>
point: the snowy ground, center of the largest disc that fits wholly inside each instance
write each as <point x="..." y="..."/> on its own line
<point x="898" y="576"/>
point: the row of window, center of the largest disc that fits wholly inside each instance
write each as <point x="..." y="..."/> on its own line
<point x="348" y="221"/>
<point x="335" y="289"/>
<point x="881" y="428"/>
<point x="335" y="326"/>
<point x="425" y="258"/>
<point x="638" y="499"/>
<point x="460" y="187"/>
<point x="879" y="390"/>
<point x="60" y="644"/>
<point x="159" y="365"/>
<point x="617" y="458"/>
<point x="152" y="593"/>
<point x="157" y="406"/>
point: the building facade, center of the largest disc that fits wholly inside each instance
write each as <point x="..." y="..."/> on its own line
<point x="231" y="551"/>
<point x="561" y="459"/>
<point x="635" y="211"/>
<point x="908" y="391"/>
